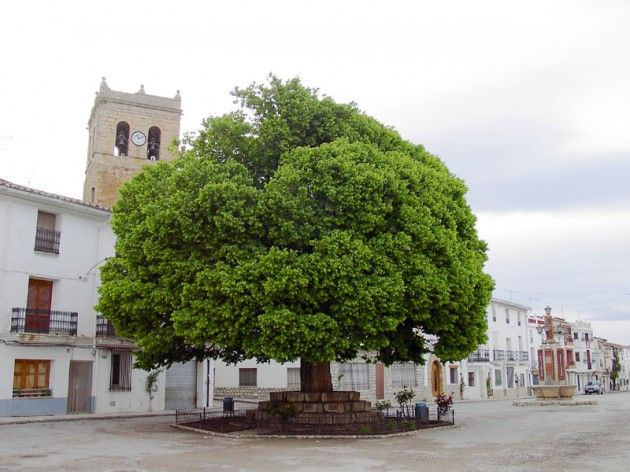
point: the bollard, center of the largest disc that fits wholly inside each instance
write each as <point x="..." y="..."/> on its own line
<point x="228" y="405"/>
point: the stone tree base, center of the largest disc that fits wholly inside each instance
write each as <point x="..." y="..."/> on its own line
<point x="315" y="412"/>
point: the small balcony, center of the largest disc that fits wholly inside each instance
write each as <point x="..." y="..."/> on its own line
<point x="511" y="356"/>
<point x="499" y="354"/>
<point x="523" y="356"/>
<point x="31" y="320"/>
<point x="47" y="240"/>
<point x="104" y="328"/>
<point x="32" y="392"/>
<point x="480" y="355"/>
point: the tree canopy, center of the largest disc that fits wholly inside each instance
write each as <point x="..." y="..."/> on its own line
<point x="296" y="227"/>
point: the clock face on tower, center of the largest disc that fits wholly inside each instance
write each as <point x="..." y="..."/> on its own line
<point x="138" y="138"/>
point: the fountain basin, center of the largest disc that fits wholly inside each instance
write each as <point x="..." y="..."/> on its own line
<point x="546" y="392"/>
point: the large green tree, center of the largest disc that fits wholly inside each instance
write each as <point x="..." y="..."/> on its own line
<point x="296" y="228"/>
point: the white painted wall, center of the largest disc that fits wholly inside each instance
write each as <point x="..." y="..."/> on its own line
<point x="86" y="241"/>
<point x="269" y="375"/>
<point x="135" y="400"/>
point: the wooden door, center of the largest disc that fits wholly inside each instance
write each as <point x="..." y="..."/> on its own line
<point x="38" y="306"/>
<point x="80" y="387"/>
<point x="436" y="378"/>
<point x="380" y="381"/>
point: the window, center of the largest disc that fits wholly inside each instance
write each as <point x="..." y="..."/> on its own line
<point x="586" y="337"/>
<point x="153" y="146"/>
<point x="355" y="376"/>
<point x="471" y="379"/>
<point x="576" y="335"/>
<point x="497" y="378"/>
<point x="577" y="356"/>
<point x="121" y="145"/>
<point x="522" y="380"/>
<point x="120" y="378"/>
<point x="494" y="313"/>
<point x="518" y="318"/>
<point x="507" y="316"/>
<point x="46" y="236"/>
<point x="293" y="378"/>
<point x="247" y="377"/>
<point x="453" y="375"/>
<point x="31" y="378"/>
<point x="404" y="374"/>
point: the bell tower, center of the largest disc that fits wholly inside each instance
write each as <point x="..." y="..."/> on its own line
<point x="126" y="132"/>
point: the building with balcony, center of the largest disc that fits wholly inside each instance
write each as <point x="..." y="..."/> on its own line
<point x="56" y="355"/>
<point x="589" y="363"/>
<point x="504" y="362"/>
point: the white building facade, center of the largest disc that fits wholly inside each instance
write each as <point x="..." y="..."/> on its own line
<point x="56" y="355"/>
<point x="503" y="364"/>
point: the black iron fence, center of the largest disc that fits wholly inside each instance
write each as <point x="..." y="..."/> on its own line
<point x="31" y="320"/>
<point x="47" y="240"/>
<point x="198" y="415"/>
<point x="104" y="327"/>
<point x="393" y="420"/>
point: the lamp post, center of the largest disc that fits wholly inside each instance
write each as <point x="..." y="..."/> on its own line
<point x="541" y="366"/>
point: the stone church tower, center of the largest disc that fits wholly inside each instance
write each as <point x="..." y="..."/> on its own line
<point x="127" y="131"/>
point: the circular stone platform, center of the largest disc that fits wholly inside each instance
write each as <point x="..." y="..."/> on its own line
<point x="553" y="402"/>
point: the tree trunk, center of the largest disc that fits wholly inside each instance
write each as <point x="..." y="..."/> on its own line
<point x="315" y="377"/>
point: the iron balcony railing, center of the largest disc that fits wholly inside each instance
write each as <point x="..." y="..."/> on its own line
<point x="480" y="355"/>
<point x="31" y="320"/>
<point x="511" y="355"/>
<point x="47" y="240"/>
<point x="32" y="392"/>
<point x="498" y="354"/>
<point x="104" y="327"/>
<point x="523" y="356"/>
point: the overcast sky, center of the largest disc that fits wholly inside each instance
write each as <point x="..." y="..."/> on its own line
<point x="529" y="104"/>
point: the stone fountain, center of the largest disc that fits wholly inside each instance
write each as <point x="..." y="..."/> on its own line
<point x="553" y="359"/>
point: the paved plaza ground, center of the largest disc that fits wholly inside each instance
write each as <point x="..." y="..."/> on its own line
<point x="490" y="436"/>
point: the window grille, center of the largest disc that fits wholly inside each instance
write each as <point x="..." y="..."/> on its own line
<point x="247" y="377"/>
<point x="453" y="375"/>
<point x="120" y="378"/>
<point x="404" y="374"/>
<point x="355" y="376"/>
<point x="293" y="378"/>
<point x="46" y="236"/>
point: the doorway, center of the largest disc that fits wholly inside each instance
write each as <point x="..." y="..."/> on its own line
<point x="436" y="378"/>
<point x="380" y="381"/>
<point x="80" y="387"/>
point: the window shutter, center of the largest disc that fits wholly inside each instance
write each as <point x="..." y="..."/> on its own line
<point x="46" y="220"/>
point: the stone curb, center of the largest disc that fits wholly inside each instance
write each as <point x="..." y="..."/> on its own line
<point x="308" y="436"/>
<point x="555" y="403"/>
<point x="64" y="418"/>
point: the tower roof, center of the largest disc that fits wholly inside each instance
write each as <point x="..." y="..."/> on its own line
<point x="139" y="99"/>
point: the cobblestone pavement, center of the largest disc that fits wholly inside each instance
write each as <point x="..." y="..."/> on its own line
<point x="490" y="436"/>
